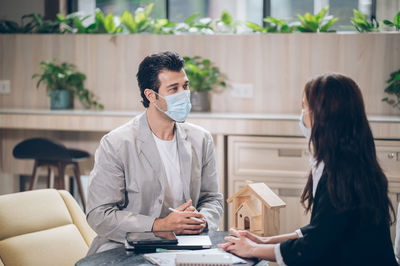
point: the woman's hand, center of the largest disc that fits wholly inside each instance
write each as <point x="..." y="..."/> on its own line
<point x="242" y="245"/>
<point x="239" y="245"/>
<point x="253" y="237"/>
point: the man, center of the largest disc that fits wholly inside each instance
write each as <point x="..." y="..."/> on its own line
<point x="153" y="164"/>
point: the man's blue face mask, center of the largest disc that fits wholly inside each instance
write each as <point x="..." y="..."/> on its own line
<point x="178" y="105"/>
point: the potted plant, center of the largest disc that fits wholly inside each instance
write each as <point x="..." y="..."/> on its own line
<point x="395" y="23"/>
<point x="204" y="76"/>
<point x="63" y="81"/>
<point x="359" y="21"/>
<point x="316" y="23"/>
<point x="393" y="89"/>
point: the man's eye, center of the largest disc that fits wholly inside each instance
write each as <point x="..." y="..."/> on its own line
<point x="186" y="86"/>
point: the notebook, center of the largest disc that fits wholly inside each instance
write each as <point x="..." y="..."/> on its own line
<point x="168" y="258"/>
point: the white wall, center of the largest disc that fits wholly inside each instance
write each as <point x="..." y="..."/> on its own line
<point x="15" y="9"/>
<point x="387" y="9"/>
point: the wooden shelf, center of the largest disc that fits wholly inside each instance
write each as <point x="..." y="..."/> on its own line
<point x="384" y="127"/>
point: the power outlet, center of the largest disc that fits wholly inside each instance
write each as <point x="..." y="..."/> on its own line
<point x="5" y="87"/>
<point x="242" y="90"/>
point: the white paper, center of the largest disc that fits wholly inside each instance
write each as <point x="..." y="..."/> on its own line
<point x="168" y="258"/>
<point x="196" y="240"/>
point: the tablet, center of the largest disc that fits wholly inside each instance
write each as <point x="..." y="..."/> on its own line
<point x="151" y="238"/>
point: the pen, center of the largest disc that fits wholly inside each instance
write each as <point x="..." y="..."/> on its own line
<point x="193" y="218"/>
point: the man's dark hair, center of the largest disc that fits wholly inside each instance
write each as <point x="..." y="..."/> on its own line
<point x="151" y="66"/>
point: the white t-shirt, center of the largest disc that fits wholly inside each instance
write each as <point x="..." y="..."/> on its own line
<point x="168" y="150"/>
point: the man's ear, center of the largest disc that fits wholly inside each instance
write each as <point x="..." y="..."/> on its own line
<point x="150" y="95"/>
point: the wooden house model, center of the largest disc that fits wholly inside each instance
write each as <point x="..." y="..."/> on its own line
<point x="256" y="209"/>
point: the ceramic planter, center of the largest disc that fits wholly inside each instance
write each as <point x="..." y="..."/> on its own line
<point x="200" y="101"/>
<point x="60" y="99"/>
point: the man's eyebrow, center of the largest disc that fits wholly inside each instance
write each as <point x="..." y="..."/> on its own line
<point x="176" y="84"/>
<point x="172" y="85"/>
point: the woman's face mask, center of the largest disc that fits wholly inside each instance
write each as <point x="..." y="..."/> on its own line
<point x="178" y="105"/>
<point x="305" y="130"/>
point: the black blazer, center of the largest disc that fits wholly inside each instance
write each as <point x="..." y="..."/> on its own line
<point x="334" y="238"/>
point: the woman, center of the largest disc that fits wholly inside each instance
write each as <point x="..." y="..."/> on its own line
<point x="346" y="191"/>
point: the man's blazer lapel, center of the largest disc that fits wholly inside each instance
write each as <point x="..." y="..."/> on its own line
<point x="185" y="159"/>
<point x="147" y="146"/>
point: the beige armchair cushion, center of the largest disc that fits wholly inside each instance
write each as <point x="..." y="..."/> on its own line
<point x="78" y="217"/>
<point x="42" y="227"/>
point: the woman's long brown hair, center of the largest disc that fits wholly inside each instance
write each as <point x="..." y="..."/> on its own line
<point x="342" y="139"/>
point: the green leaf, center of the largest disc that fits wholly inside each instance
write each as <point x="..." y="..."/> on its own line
<point x="255" y="27"/>
<point x="193" y="68"/>
<point x="226" y="18"/>
<point x="91" y="28"/>
<point x="393" y="88"/>
<point x="309" y="18"/>
<point x="329" y="24"/>
<point x="60" y="17"/>
<point x="140" y="17"/>
<point x="162" y="22"/>
<point x="275" y="21"/>
<point x="301" y="29"/>
<point x="321" y="14"/>
<point x="99" y="20"/>
<point x="148" y="9"/>
<point x="128" y="22"/>
<point x="79" y="26"/>
<point x="359" y="15"/>
<point x="387" y="22"/>
<point x="301" y="18"/>
<point x="396" y="20"/>
<point x="109" y="23"/>
<point x="206" y="63"/>
<point x="12" y="26"/>
<point x="191" y="18"/>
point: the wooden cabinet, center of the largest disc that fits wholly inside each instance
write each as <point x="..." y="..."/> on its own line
<point x="283" y="164"/>
<point x="388" y="153"/>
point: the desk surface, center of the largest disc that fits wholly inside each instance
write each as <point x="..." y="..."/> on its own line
<point x="120" y="257"/>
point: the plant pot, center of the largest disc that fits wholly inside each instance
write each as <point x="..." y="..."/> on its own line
<point x="60" y="99"/>
<point x="200" y="101"/>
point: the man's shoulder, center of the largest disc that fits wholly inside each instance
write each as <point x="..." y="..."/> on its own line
<point x="191" y="129"/>
<point x="125" y="131"/>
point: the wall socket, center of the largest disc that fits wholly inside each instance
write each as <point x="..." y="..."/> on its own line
<point x="242" y="90"/>
<point x="5" y="87"/>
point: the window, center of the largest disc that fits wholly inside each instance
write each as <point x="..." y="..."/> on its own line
<point x="242" y="10"/>
<point x="118" y="7"/>
<point x="343" y="9"/>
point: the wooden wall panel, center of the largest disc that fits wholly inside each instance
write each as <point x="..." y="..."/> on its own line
<point x="278" y="65"/>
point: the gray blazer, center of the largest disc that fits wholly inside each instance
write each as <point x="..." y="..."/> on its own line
<point x="126" y="189"/>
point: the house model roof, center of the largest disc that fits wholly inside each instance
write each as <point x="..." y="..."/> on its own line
<point x="262" y="192"/>
<point x="251" y="206"/>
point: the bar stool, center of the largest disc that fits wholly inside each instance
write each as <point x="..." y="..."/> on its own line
<point x="50" y="154"/>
